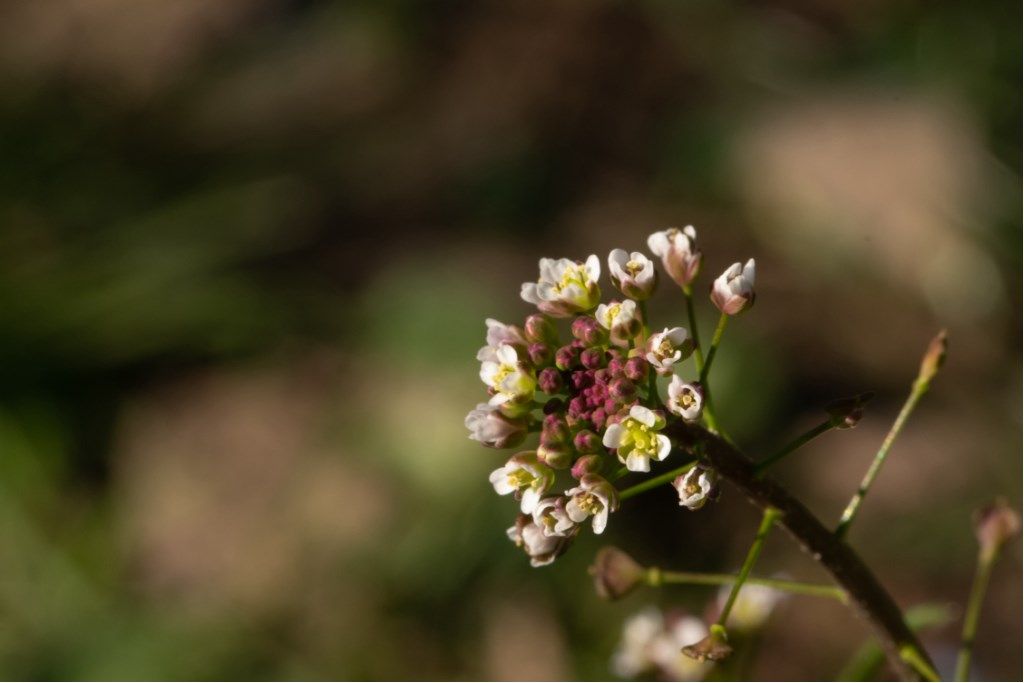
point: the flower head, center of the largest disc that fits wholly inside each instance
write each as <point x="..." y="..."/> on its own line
<point x="541" y="549"/>
<point x="685" y="399"/>
<point x="510" y="379"/>
<point x="594" y="497"/>
<point x="489" y="426"/>
<point x="733" y="291"/>
<point x="620" y="320"/>
<point x="668" y="347"/>
<point x="565" y="287"/>
<point x="633" y="274"/>
<point x="652" y="640"/>
<point x="526" y="477"/>
<point x="636" y="439"/>
<point x="678" y="252"/>
<point x="695" y="487"/>
<point x="551" y="517"/>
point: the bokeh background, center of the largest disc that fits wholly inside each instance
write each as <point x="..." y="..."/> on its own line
<point x="246" y="252"/>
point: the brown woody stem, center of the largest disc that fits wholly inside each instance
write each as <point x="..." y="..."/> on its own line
<point x="867" y="596"/>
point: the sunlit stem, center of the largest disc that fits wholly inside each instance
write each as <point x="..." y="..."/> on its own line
<point x="723" y="320"/>
<point x="767" y="521"/>
<point x="930" y="364"/>
<point x="986" y="559"/>
<point x="657" y="577"/>
<point x="793" y="445"/>
<point x="911" y="656"/>
<point x="655" y="482"/>
<point x="698" y="353"/>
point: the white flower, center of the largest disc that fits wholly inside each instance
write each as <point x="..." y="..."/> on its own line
<point x="594" y="497"/>
<point x="620" y="320"/>
<point x="489" y="426"/>
<point x="733" y="291"/>
<point x="510" y="379"/>
<point x="754" y="604"/>
<point x="695" y="487"/>
<point x="636" y="439"/>
<point x="633" y="274"/>
<point x="499" y="334"/>
<point x="633" y="655"/>
<point x="565" y="287"/>
<point x="668" y="347"/>
<point x="685" y="399"/>
<point x="524" y="476"/>
<point x="550" y="515"/>
<point x="541" y="549"/>
<point x="678" y="252"/>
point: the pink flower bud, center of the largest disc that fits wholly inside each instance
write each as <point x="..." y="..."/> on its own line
<point x="994" y="525"/>
<point x="615" y="573"/>
<point x="567" y="357"/>
<point x="555" y="431"/>
<point x="586" y="441"/>
<point x="588" y="464"/>
<point x="557" y="456"/>
<point x="636" y="369"/>
<point x="550" y="381"/>
<point x="588" y="331"/>
<point x="733" y="291"/>
<point x="622" y="389"/>
<point x="489" y="426"/>
<point x="593" y="358"/>
<point x="540" y="354"/>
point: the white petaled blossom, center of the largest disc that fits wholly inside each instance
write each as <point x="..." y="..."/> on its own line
<point x="489" y="426"/>
<point x="524" y="476"/>
<point x="633" y="274"/>
<point x="636" y="439"/>
<point x="754" y="604"/>
<point x="552" y="518"/>
<point x="593" y="498"/>
<point x="668" y="347"/>
<point x="510" y="379"/>
<point x="695" y="487"/>
<point x="498" y="335"/>
<point x="685" y="399"/>
<point x="639" y="632"/>
<point x="541" y="549"/>
<point x="648" y="642"/>
<point x="667" y="654"/>
<point x="678" y="252"/>
<point x="733" y="291"/>
<point x="565" y="287"/>
<point x="620" y="319"/>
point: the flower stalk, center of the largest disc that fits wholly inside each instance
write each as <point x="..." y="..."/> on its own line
<point x="793" y="445"/>
<point x="655" y="482"/>
<point x="658" y="577"/>
<point x="930" y="364"/>
<point x="767" y="521"/>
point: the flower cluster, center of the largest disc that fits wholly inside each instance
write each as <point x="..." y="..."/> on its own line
<point x="590" y="390"/>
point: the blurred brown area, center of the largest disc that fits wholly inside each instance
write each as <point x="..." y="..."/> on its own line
<point x="246" y="251"/>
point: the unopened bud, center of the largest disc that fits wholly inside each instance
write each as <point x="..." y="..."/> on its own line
<point x="587" y="464"/>
<point x="539" y="329"/>
<point x="994" y="525"/>
<point x="933" y="358"/>
<point x="555" y="431"/>
<point x="635" y="369"/>
<point x="845" y="413"/>
<point x="586" y="441"/>
<point x="733" y="291"/>
<point x="593" y="358"/>
<point x="622" y="389"/>
<point x="615" y="573"/>
<point x="540" y="354"/>
<point x="556" y="456"/>
<point x="588" y="330"/>
<point x="550" y="381"/>
<point x="567" y="357"/>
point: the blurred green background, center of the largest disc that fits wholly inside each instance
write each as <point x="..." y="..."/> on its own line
<point x="246" y="252"/>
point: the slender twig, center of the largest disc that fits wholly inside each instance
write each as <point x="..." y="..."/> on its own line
<point x="793" y="445"/>
<point x="723" y="320"/>
<point x="930" y="364"/>
<point x="655" y="482"/>
<point x="698" y="353"/>
<point x="657" y="577"/>
<point x="767" y="521"/>
<point x="867" y="596"/>
<point x="978" y="588"/>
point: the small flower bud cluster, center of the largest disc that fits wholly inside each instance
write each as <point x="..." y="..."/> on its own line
<point x="591" y="396"/>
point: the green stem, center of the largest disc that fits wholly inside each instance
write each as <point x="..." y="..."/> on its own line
<point x="974" y="602"/>
<point x="913" y="657"/>
<point x="792" y="446"/>
<point x="767" y="521"/>
<point x="657" y="577"/>
<point x="919" y="389"/>
<point x="723" y="320"/>
<point x="654" y="482"/>
<point x="698" y="353"/>
<point x="645" y="327"/>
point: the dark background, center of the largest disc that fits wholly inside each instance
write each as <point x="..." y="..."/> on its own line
<point x="246" y="251"/>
